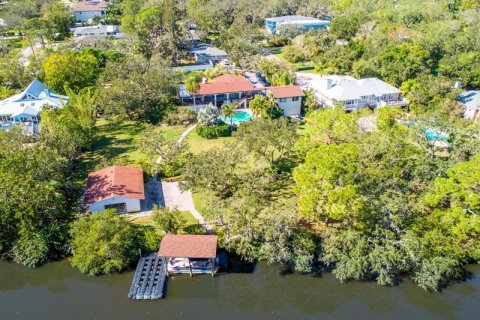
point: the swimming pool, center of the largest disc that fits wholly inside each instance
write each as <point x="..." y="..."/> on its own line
<point x="430" y="133"/>
<point x="239" y="117"/>
<point x="433" y="135"/>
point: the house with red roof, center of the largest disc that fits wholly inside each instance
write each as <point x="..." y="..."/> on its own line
<point x="116" y="187"/>
<point x="231" y="88"/>
<point x="226" y="89"/>
<point x="87" y="10"/>
<point x="289" y="99"/>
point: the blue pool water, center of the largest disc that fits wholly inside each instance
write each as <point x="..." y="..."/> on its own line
<point x="433" y="135"/>
<point x="237" y="118"/>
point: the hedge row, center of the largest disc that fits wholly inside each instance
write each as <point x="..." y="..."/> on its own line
<point x="221" y="130"/>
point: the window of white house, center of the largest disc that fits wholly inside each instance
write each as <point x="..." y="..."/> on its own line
<point x="283" y="100"/>
<point x="295" y="98"/>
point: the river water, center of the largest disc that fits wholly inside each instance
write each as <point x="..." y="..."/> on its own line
<point x="56" y="291"/>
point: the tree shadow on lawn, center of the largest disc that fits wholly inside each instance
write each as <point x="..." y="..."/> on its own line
<point x="113" y="145"/>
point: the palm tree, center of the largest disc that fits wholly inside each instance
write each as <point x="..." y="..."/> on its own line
<point x="191" y="85"/>
<point x="228" y="110"/>
<point x="259" y="106"/>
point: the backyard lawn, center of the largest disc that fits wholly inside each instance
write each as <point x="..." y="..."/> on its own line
<point x="198" y="144"/>
<point x="118" y="144"/>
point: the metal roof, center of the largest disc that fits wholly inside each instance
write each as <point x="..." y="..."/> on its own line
<point x="470" y="99"/>
<point x="35" y="96"/>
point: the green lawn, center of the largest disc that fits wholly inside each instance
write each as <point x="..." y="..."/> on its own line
<point x="191" y="224"/>
<point x="198" y="144"/>
<point x="202" y="200"/>
<point x="118" y="144"/>
<point x="299" y="67"/>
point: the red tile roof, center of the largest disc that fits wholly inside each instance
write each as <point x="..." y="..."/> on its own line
<point x="188" y="246"/>
<point x="116" y="181"/>
<point x="229" y="83"/>
<point x="89" y="6"/>
<point x="286" y="92"/>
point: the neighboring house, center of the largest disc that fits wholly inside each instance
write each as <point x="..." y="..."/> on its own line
<point x="278" y="25"/>
<point x="470" y="101"/>
<point x="205" y="53"/>
<point x="116" y="187"/>
<point x="226" y="89"/>
<point x="230" y="88"/>
<point x="24" y="108"/>
<point x="99" y="31"/>
<point x="289" y="99"/>
<point x="190" y="254"/>
<point x="350" y="93"/>
<point x="87" y="10"/>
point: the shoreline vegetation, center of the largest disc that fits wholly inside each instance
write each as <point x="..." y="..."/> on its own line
<point x="382" y="203"/>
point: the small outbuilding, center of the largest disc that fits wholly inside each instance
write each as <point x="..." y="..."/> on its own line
<point x="189" y="254"/>
<point x="116" y="187"/>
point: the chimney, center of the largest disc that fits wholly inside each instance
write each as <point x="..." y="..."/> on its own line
<point x="329" y="83"/>
<point x="326" y="83"/>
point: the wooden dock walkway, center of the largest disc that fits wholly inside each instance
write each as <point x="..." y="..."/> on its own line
<point x="149" y="280"/>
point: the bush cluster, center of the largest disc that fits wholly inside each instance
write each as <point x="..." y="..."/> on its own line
<point x="220" y="130"/>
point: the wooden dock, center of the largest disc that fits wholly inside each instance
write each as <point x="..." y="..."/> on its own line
<point x="149" y="279"/>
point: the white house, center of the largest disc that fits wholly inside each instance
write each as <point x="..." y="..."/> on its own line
<point x="97" y="31"/>
<point x="289" y="99"/>
<point x="350" y="93"/>
<point x="87" y="10"/>
<point x="278" y="25"/>
<point x="25" y="107"/>
<point x="470" y="100"/>
<point x="205" y="53"/>
<point x="116" y="187"/>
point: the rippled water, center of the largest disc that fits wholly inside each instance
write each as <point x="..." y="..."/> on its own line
<point x="56" y="291"/>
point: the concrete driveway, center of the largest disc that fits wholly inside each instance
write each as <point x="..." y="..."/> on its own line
<point x="174" y="198"/>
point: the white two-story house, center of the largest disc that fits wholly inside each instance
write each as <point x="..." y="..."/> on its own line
<point x="231" y="88"/>
<point x="350" y="93"/>
<point x="289" y="99"/>
<point x="87" y="10"/>
<point x="25" y="107"/>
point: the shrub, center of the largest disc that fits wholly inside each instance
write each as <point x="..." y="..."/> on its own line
<point x="30" y="250"/>
<point x="103" y="243"/>
<point x="220" y="130"/>
<point x="172" y="118"/>
<point x="208" y="116"/>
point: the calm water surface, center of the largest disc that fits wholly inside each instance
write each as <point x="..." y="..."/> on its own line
<point x="56" y="291"/>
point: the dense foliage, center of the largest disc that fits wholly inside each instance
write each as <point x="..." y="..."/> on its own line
<point x="34" y="200"/>
<point x="386" y="201"/>
<point x="103" y="243"/>
<point x="365" y="195"/>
